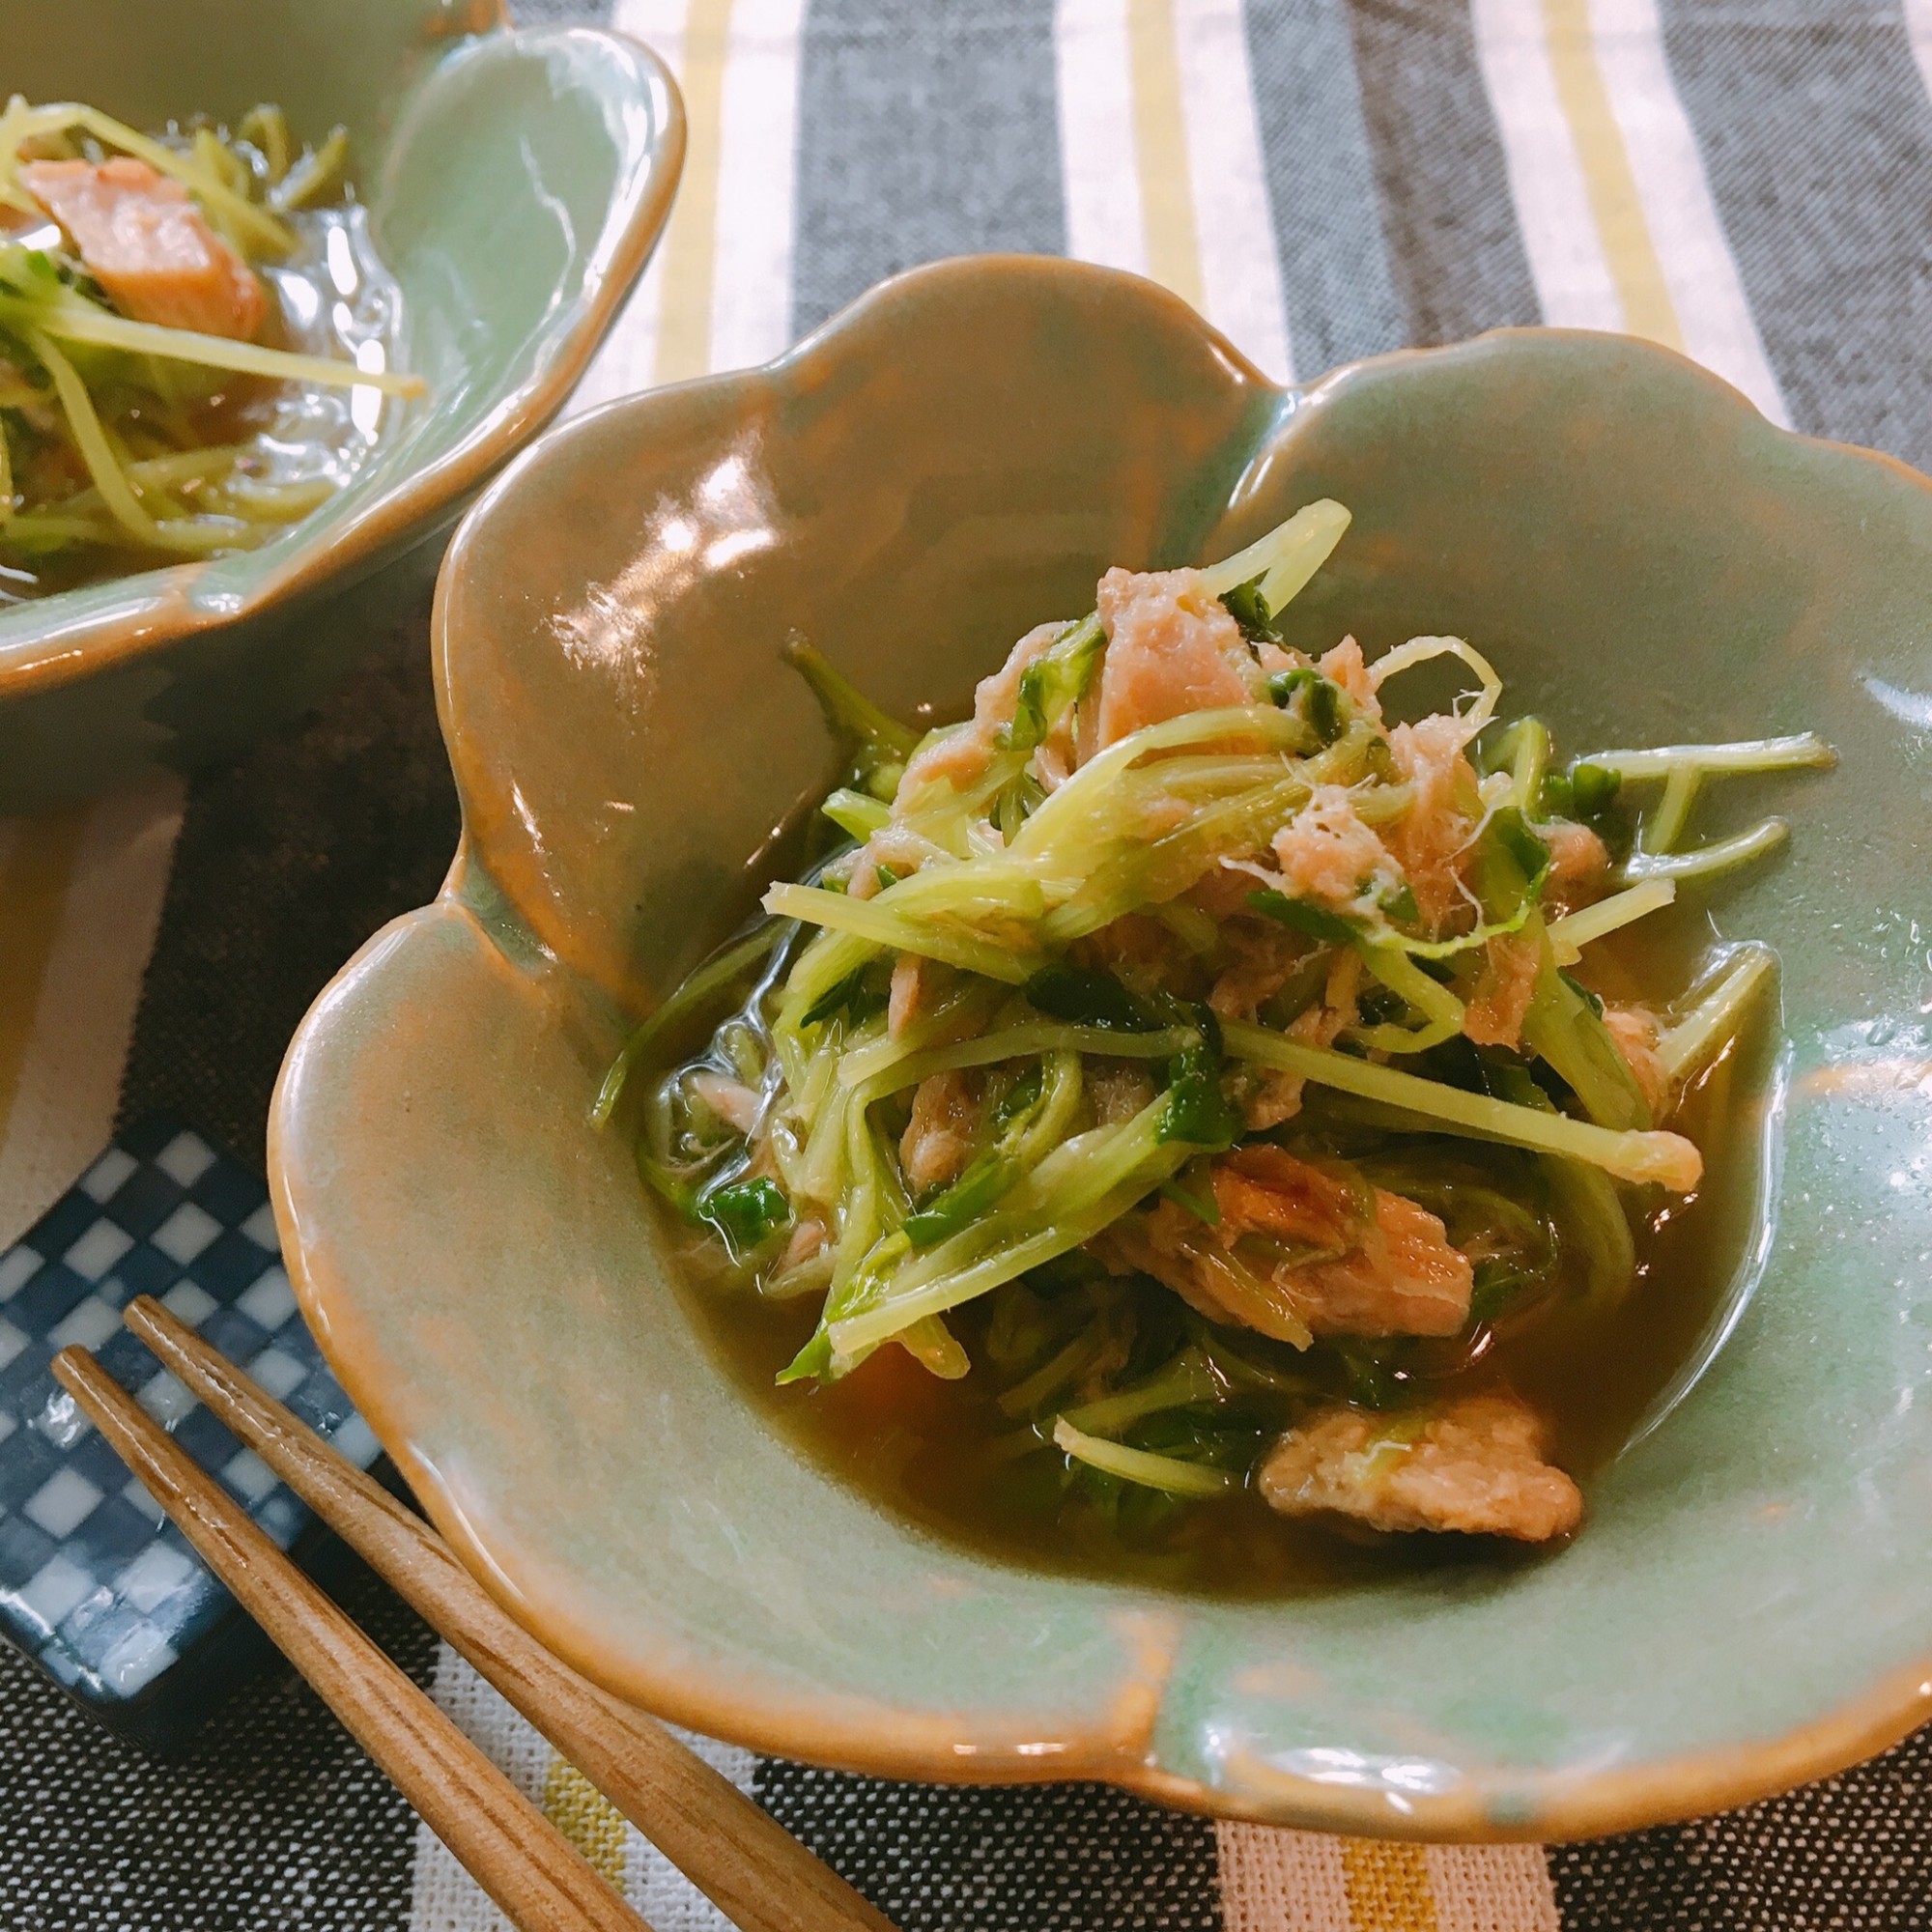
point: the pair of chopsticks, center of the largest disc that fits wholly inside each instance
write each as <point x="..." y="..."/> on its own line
<point x="744" y="1863"/>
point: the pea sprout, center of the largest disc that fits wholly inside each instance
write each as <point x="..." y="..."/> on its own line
<point x="1171" y="1082"/>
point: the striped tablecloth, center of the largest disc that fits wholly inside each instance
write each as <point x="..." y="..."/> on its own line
<point x="1749" y="180"/>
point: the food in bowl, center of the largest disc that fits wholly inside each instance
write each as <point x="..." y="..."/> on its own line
<point x="198" y="342"/>
<point x="1193" y="1114"/>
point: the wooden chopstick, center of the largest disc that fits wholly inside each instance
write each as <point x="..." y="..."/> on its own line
<point x="749" y="1866"/>
<point x="513" y="1851"/>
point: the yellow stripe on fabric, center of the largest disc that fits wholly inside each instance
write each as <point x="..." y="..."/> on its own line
<point x="587" y="1818"/>
<point x="1628" y="251"/>
<point x="691" y="241"/>
<point x="1388" y="1886"/>
<point x="1160" y="150"/>
<point x="32" y="895"/>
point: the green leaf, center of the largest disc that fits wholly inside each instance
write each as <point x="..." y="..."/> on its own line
<point x="1594" y="789"/>
<point x="1202" y="1206"/>
<point x="1401" y="906"/>
<point x="1587" y="793"/>
<point x="1248" y="608"/>
<point x="988" y="1177"/>
<point x="1510" y="1080"/>
<point x="1197" y="1111"/>
<point x="811" y="1363"/>
<point x="1372" y="1384"/>
<point x="1085" y="997"/>
<point x="1508" y="865"/>
<point x="851" y="996"/>
<point x="1594" y="1001"/>
<point x="1512" y="830"/>
<point x="1018" y="798"/>
<point x="1318" y="701"/>
<point x="1304" y="916"/>
<point x="1498" y="1283"/>
<point x="1020" y="1098"/>
<point x="748" y="1213"/>
<point x="1055" y="679"/>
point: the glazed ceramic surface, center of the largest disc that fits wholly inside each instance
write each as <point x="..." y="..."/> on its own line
<point x="1646" y="561"/>
<point x="516" y="184"/>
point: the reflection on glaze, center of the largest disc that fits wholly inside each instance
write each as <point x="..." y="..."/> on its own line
<point x="1869" y="1079"/>
<point x="1367" y="1771"/>
<point x="1396" y="1783"/>
<point x="1909" y="707"/>
<point x="728" y="517"/>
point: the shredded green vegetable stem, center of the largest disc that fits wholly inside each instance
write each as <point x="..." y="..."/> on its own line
<point x="893" y="1075"/>
<point x="882" y="924"/>
<point x="311" y="177"/>
<point x="1664" y="826"/>
<point x="1665" y="1158"/>
<point x="1695" y="1039"/>
<point x="1750" y="754"/>
<point x="1138" y="1465"/>
<point x="1441" y="1010"/>
<point x="77" y="322"/>
<point x="857" y="813"/>
<point x="269" y="129"/>
<point x="94" y="450"/>
<point x="1287" y="557"/>
<point x="143" y="407"/>
<point x="1085" y="1184"/>
<point x="1575" y="930"/>
<point x="25" y="124"/>
<point x="1420" y="650"/>
<point x="1187" y="1379"/>
<point x="1188" y="1079"/>
<point x="1708" y="860"/>
<point x="1055" y="1373"/>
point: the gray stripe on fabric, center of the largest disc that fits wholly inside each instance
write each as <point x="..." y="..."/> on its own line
<point x="1456" y="253"/>
<point x="1322" y="188"/>
<point x="1816" y="133"/>
<point x="926" y="128"/>
<point x="562" y="12"/>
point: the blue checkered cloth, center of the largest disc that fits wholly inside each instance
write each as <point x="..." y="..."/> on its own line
<point x="95" y="1583"/>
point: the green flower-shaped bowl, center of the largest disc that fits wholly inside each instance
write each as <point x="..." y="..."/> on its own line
<point x="517" y="183"/>
<point x="949" y="462"/>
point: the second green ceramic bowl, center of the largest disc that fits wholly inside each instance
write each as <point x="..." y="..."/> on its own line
<point x="516" y="184"/>
<point x="952" y="461"/>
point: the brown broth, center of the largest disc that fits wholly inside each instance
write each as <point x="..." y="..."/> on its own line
<point x="925" y="1449"/>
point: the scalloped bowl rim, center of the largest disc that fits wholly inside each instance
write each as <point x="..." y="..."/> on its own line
<point x="840" y="1730"/>
<point x="162" y="610"/>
